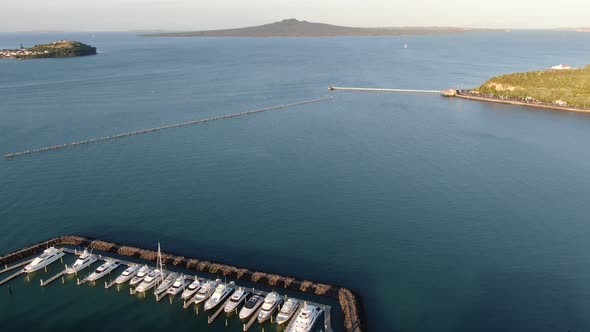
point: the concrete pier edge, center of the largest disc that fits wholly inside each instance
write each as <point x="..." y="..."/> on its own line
<point x="349" y="304"/>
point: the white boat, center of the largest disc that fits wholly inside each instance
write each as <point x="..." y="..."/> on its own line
<point x="84" y="260"/>
<point x="103" y="270"/>
<point x="251" y="306"/>
<point x="306" y="319"/>
<point x="205" y="291"/>
<point x="236" y="299"/>
<point x="48" y="256"/>
<point x="222" y="291"/>
<point x="191" y="289"/>
<point x="287" y="311"/>
<point x="141" y="274"/>
<point x="149" y="281"/>
<point x="271" y="302"/>
<point x="166" y="283"/>
<point x="129" y="273"/>
<point x="178" y="286"/>
<point x="154" y="277"/>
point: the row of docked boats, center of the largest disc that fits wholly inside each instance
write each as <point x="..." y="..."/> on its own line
<point x="212" y="292"/>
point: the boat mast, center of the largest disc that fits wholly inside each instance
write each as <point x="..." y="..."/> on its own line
<point x="160" y="263"/>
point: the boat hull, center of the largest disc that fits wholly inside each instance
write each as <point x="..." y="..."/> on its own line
<point x="32" y="268"/>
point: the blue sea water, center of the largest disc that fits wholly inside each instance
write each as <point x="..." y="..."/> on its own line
<point x="441" y="214"/>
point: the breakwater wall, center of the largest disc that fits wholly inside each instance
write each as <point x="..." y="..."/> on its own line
<point x="349" y="304"/>
<point x="145" y="131"/>
<point x="520" y="103"/>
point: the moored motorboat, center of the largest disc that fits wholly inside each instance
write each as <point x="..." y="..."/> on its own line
<point x="236" y="299"/>
<point x="271" y="302"/>
<point x="178" y="286"/>
<point x="129" y="273"/>
<point x="103" y="270"/>
<point x="48" y="256"/>
<point x="150" y="281"/>
<point x="84" y="260"/>
<point x="205" y="291"/>
<point x="141" y="274"/>
<point x="166" y="282"/>
<point x="222" y="291"/>
<point x="287" y="311"/>
<point x="306" y="319"/>
<point x="190" y="291"/>
<point x="251" y="306"/>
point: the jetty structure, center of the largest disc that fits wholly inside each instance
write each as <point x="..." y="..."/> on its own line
<point x="349" y="303"/>
<point x="149" y="130"/>
<point x="478" y="96"/>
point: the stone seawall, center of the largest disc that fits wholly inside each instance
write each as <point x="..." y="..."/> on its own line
<point x="348" y="302"/>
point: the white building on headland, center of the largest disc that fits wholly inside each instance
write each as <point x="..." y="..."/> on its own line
<point x="561" y="67"/>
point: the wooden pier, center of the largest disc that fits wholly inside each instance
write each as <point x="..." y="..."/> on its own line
<point x="12" y="267"/>
<point x="145" y="131"/>
<point x="10" y="277"/>
<point x="50" y="280"/>
<point x="341" y="88"/>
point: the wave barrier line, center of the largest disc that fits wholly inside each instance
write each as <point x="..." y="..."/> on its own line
<point x="145" y="131"/>
<point x="333" y="88"/>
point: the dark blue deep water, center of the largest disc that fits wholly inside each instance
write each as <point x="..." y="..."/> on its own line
<point x="442" y="214"/>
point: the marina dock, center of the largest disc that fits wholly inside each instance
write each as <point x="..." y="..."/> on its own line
<point x="347" y="300"/>
<point x="177" y="125"/>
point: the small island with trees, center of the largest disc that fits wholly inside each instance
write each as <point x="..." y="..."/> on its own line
<point x="560" y="87"/>
<point x="57" y="49"/>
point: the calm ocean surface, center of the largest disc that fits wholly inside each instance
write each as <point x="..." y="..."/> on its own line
<point x="442" y="214"/>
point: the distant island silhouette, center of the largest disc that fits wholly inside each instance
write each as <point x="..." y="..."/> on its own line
<point x="295" y="28"/>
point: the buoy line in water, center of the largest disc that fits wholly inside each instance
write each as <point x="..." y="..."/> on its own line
<point x="144" y="131"/>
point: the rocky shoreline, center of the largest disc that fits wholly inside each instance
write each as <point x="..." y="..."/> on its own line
<point x="348" y="301"/>
<point x="467" y="94"/>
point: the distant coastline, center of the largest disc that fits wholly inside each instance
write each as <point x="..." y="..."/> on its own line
<point x="57" y="49"/>
<point x="296" y="28"/>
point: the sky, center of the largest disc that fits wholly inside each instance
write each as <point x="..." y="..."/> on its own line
<point x="133" y="15"/>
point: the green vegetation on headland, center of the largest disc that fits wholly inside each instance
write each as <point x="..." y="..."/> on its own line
<point x="58" y="49"/>
<point x="295" y="28"/>
<point x="569" y="87"/>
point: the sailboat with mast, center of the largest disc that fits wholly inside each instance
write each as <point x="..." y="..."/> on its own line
<point x="155" y="276"/>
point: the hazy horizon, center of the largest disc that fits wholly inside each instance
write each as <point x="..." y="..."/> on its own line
<point x="187" y="15"/>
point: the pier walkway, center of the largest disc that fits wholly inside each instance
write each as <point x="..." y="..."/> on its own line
<point x="334" y="88"/>
<point x="145" y="131"/>
<point x="12" y="267"/>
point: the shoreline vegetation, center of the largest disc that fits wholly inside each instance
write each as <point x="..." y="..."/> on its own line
<point x="349" y="304"/>
<point x="57" y="49"/>
<point x="295" y="28"/>
<point x="559" y="89"/>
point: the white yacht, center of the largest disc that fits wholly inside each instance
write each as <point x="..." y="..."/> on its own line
<point x="103" y="270"/>
<point x="271" y="302"/>
<point x="129" y="273"/>
<point x="191" y="289"/>
<point x="287" y="311"/>
<point x="236" y="299"/>
<point x="251" y="306"/>
<point x="150" y="280"/>
<point x="166" y="283"/>
<point x="48" y="256"/>
<point x="178" y="286"/>
<point x="84" y="260"/>
<point x="154" y="276"/>
<point x="306" y="318"/>
<point x="141" y="274"/>
<point x="222" y="291"/>
<point x="205" y="291"/>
